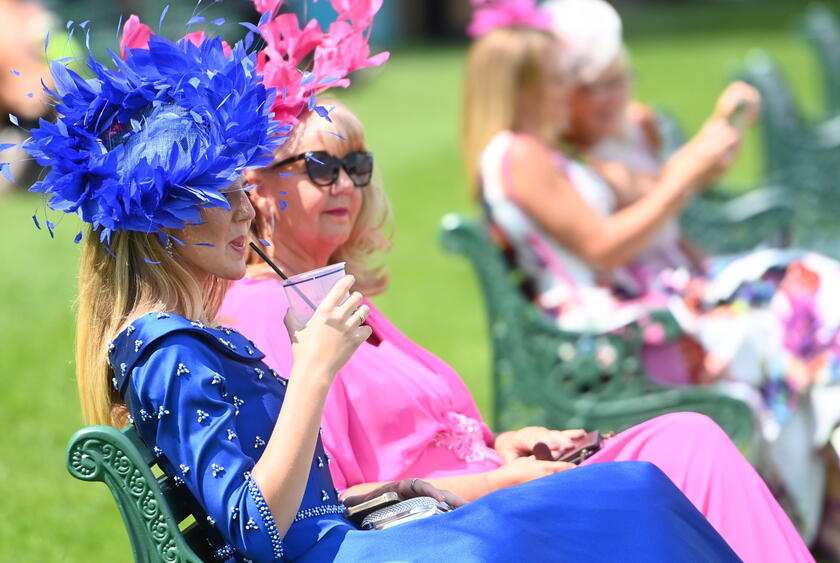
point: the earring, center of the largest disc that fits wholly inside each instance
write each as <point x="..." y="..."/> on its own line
<point x="266" y="227"/>
<point x="169" y="247"/>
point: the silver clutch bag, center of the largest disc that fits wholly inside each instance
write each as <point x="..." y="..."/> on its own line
<point x="404" y="511"/>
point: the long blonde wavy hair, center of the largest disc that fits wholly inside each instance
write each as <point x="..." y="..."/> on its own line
<point x="372" y="233"/>
<point x="116" y="289"/>
<point x="504" y="68"/>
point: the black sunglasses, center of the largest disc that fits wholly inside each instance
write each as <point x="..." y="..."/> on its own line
<point x="323" y="168"/>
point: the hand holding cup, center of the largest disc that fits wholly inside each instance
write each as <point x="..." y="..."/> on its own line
<point x="334" y="332"/>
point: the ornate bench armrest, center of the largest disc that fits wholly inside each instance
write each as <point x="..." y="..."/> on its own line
<point x="103" y="453"/>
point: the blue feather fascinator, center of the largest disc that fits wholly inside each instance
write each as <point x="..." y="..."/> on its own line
<point x="141" y="146"/>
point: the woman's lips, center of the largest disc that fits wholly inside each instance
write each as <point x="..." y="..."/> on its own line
<point x="238" y="244"/>
<point x="338" y="212"/>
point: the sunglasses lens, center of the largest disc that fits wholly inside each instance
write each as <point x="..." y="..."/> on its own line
<point x="322" y="168"/>
<point x="359" y="166"/>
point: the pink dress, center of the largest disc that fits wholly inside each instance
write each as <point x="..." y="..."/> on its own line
<point x="397" y="411"/>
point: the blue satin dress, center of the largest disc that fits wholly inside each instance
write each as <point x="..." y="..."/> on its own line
<point x="206" y="405"/>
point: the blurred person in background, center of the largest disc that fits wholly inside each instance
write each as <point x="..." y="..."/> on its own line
<point x="577" y="237"/>
<point x="24" y="25"/>
<point x="619" y="138"/>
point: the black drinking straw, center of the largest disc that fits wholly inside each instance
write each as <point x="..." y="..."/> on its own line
<point x="281" y="274"/>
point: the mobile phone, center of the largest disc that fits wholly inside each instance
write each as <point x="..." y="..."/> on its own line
<point x="738" y="117"/>
<point x="585" y="447"/>
<point x="358" y="512"/>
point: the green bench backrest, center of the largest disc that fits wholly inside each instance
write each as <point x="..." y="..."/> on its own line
<point x="161" y="519"/>
<point x="820" y="28"/>
<point x="547" y="376"/>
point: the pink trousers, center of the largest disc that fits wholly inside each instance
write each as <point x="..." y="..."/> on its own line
<point x="704" y="463"/>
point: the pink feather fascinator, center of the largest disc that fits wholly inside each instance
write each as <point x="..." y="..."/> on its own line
<point x="304" y="61"/>
<point x="493" y="14"/>
<point x="299" y="61"/>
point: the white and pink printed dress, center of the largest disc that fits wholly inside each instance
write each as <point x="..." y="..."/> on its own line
<point x="766" y="323"/>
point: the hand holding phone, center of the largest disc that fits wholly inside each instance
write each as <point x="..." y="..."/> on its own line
<point x="739" y="105"/>
<point x="584" y="447"/>
<point x="738" y="117"/>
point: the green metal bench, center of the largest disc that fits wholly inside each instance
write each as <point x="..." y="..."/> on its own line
<point x="821" y="30"/>
<point x="799" y="154"/>
<point x="760" y="217"/>
<point x="791" y="142"/>
<point x="726" y="220"/>
<point x="546" y="376"/>
<point x="164" y="521"/>
<point x="799" y="206"/>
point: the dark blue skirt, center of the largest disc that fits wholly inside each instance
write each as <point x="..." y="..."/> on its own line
<point x="626" y="511"/>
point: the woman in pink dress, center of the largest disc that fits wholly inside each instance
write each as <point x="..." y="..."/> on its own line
<point x="396" y="409"/>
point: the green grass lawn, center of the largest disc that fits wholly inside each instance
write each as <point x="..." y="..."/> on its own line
<point x="683" y="57"/>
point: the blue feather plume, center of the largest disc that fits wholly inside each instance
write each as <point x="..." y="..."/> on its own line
<point x="141" y="146"/>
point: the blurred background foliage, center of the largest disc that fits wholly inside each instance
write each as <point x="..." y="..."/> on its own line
<point x="683" y="54"/>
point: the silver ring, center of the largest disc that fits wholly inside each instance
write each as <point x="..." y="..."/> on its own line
<point x="413" y="481"/>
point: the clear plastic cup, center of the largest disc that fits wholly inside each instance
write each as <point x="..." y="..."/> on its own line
<point x="306" y="291"/>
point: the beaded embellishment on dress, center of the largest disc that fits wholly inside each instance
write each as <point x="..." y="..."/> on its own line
<point x="464" y="437"/>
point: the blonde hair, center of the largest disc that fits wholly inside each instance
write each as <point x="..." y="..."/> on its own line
<point x="371" y="236"/>
<point x="503" y="67"/>
<point x="116" y="289"/>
